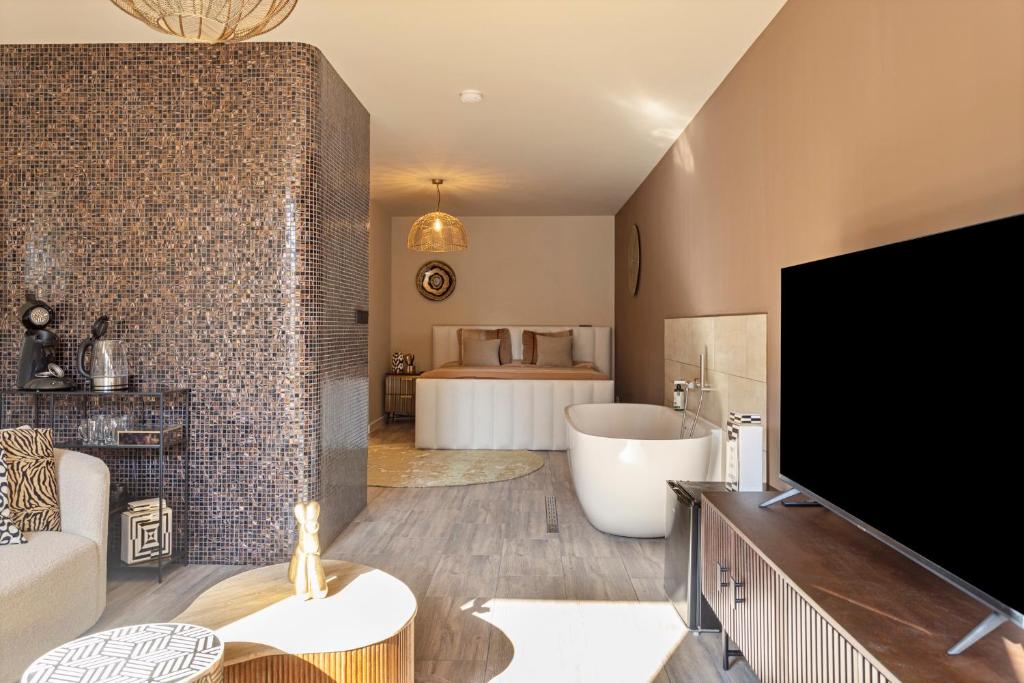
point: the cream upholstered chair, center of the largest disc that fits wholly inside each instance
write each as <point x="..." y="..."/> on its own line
<point x="53" y="588"/>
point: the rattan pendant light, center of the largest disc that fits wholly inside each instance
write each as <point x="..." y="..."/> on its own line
<point x="210" y="21"/>
<point x="437" y="231"/>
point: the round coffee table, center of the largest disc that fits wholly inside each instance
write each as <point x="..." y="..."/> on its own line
<point x="362" y="630"/>
<point x="170" y="653"/>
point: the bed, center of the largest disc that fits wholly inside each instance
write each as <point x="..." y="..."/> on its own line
<point x="513" y="406"/>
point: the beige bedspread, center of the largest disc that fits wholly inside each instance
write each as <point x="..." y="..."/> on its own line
<point x="514" y="371"/>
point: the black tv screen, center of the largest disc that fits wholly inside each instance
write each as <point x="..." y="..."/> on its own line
<point x="901" y="397"/>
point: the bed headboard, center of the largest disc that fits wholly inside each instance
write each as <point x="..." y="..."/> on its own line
<point x="592" y="344"/>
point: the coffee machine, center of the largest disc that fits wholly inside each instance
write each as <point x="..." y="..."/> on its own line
<point x="37" y="368"/>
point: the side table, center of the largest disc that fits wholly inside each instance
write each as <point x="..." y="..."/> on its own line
<point x="362" y="632"/>
<point x="170" y="653"/>
<point x="399" y="395"/>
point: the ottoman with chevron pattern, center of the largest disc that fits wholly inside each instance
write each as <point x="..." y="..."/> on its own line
<point x="147" y="653"/>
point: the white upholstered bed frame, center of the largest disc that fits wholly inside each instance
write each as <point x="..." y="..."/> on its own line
<point x="500" y="414"/>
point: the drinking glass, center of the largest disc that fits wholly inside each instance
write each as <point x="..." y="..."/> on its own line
<point x="87" y="430"/>
<point x="103" y="430"/>
<point x="118" y="423"/>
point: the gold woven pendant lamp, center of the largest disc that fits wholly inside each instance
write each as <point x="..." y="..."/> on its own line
<point x="210" y="21"/>
<point x="437" y="231"/>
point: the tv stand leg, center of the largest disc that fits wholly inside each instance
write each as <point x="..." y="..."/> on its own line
<point x="727" y="652"/>
<point x="989" y="624"/>
<point x="781" y="497"/>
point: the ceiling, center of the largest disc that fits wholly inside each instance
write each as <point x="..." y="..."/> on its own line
<point x="581" y="97"/>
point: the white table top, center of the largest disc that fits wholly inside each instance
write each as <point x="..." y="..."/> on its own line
<point x="257" y="613"/>
<point x="170" y="653"/>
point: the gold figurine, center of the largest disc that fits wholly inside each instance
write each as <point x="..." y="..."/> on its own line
<point x="305" y="570"/>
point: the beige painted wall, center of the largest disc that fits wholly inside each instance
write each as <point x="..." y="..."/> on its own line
<point x="848" y="124"/>
<point x="380" y="307"/>
<point x="541" y="270"/>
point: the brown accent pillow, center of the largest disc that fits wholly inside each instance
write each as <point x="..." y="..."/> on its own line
<point x="554" y="352"/>
<point x="479" y="353"/>
<point x="32" y="476"/>
<point x="504" y="335"/>
<point x="530" y="343"/>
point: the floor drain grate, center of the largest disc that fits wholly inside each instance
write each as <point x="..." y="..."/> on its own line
<point x="551" y="511"/>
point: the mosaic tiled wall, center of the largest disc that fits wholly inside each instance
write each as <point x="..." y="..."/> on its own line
<point x="213" y="201"/>
<point x="339" y="255"/>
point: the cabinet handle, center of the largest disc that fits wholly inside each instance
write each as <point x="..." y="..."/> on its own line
<point x="736" y="586"/>
<point x="722" y="569"/>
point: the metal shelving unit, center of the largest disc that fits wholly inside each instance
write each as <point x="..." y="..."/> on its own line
<point x="163" y="398"/>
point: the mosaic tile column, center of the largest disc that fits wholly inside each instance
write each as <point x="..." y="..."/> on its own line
<point x="213" y="200"/>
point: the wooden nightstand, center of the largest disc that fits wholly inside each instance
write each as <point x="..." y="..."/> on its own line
<point x="399" y="395"/>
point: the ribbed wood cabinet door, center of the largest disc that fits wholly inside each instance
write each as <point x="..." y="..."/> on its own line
<point x="816" y="652"/>
<point x="716" y="549"/>
<point x="755" y="594"/>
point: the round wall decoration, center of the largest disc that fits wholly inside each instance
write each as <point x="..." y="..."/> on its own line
<point x="435" y="280"/>
<point x="634" y="261"/>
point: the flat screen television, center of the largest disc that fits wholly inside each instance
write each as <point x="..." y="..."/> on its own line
<point x="902" y="391"/>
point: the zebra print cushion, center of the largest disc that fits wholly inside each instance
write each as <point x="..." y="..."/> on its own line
<point x="32" y="476"/>
<point x="9" y="533"/>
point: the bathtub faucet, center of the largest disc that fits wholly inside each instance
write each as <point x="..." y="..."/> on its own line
<point x="703" y="387"/>
<point x="702" y="381"/>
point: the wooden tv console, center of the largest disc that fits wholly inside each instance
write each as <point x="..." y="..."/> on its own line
<point x="807" y="596"/>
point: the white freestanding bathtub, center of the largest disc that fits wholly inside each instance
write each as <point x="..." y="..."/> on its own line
<point x="621" y="455"/>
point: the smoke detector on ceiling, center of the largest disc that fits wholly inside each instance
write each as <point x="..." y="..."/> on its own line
<point x="471" y="97"/>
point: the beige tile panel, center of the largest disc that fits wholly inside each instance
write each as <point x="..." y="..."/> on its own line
<point x="687" y="338"/>
<point x="731" y="345"/>
<point x="702" y="340"/>
<point x="716" y="401"/>
<point x="734" y="344"/>
<point x="757" y="347"/>
<point x="741" y="345"/>
<point x="747" y="396"/>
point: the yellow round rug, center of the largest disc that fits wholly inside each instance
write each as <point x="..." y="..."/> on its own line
<point x="404" y="466"/>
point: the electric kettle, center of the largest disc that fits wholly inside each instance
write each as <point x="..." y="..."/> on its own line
<point x="107" y="369"/>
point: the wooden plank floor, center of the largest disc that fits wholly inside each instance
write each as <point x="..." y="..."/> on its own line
<point x="481" y="562"/>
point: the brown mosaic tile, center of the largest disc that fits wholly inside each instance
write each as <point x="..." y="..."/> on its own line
<point x="213" y="200"/>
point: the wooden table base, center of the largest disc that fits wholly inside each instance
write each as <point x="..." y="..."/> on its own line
<point x="389" y="661"/>
<point x="360" y="632"/>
